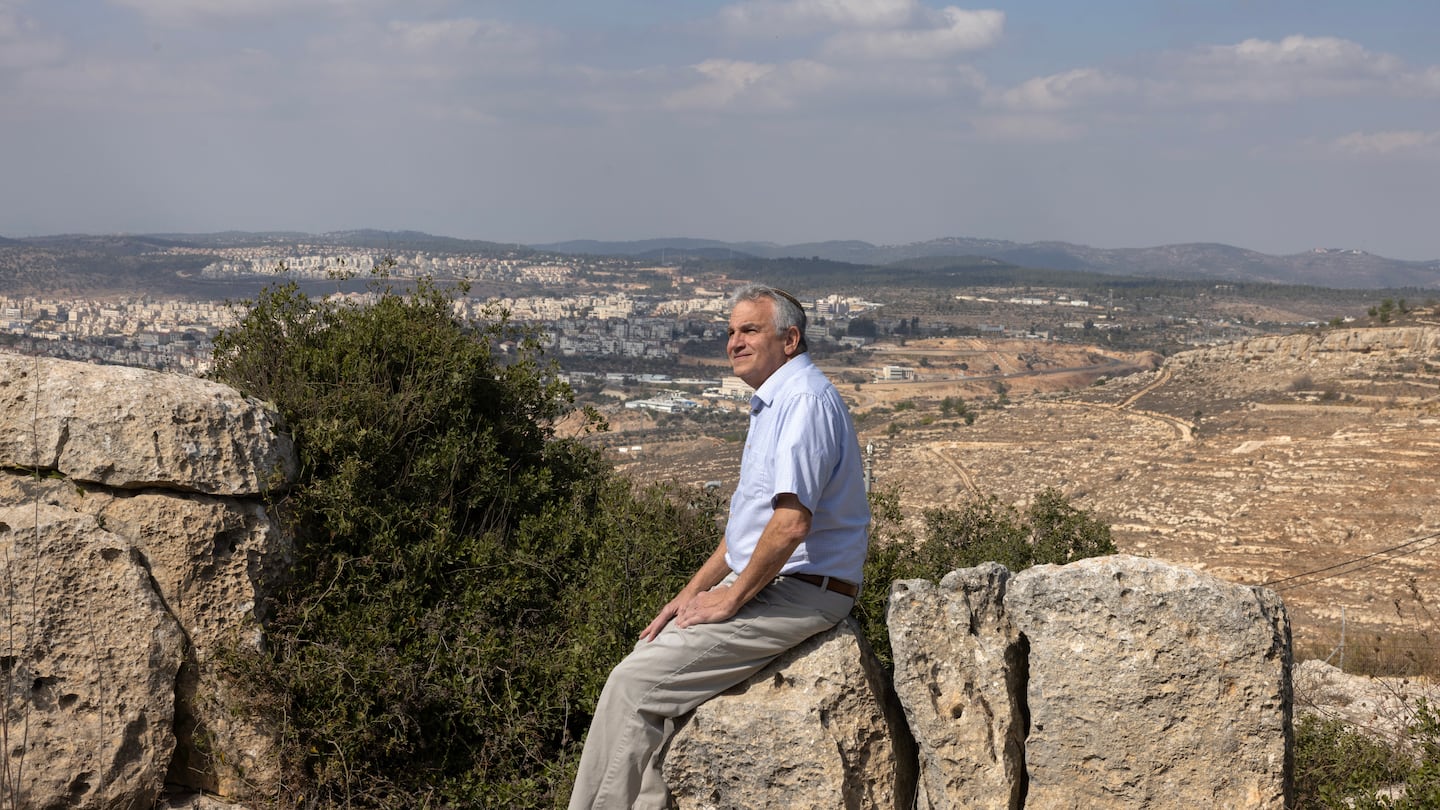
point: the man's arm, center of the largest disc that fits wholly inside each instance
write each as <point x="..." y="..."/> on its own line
<point x="709" y="575"/>
<point x="787" y="528"/>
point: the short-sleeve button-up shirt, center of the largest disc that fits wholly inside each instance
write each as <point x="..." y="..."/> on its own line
<point x="802" y="441"/>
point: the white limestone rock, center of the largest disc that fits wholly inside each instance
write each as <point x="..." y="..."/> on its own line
<point x="131" y="428"/>
<point x="960" y="674"/>
<point x="88" y="659"/>
<point x="815" y="729"/>
<point x="1152" y="685"/>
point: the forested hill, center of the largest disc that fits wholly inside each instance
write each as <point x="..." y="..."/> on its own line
<point x="1322" y="267"/>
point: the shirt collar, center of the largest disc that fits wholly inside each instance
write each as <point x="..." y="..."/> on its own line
<point x="765" y="394"/>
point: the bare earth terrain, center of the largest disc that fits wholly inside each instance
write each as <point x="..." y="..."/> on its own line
<point x="1308" y="463"/>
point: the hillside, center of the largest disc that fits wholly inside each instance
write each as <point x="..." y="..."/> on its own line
<point x="1324" y="267"/>
<point x="1261" y="462"/>
<point x="86" y="261"/>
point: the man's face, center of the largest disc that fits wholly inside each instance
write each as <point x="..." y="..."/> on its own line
<point x="755" y="349"/>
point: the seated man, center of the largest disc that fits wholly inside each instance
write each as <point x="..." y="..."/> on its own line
<point x="788" y="567"/>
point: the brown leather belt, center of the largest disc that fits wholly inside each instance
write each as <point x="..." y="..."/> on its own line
<point x="839" y="586"/>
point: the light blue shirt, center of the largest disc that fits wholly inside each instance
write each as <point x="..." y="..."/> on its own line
<point x="802" y="441"/>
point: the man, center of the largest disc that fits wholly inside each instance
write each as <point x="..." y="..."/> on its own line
<point x="788" y="567"/>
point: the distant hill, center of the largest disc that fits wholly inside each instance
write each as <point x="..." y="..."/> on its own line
<point x="364" y="238"/>
<point x="417" y="240"/>
<point x="665" y="248"/>
<point x="1329" y="268"/>
<point x="111" y="244"/>
<point x="103" y="264"/>
<point x="1335" y="268"/>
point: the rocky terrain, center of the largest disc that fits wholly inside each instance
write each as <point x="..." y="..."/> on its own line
<point x="1308" y="463"/>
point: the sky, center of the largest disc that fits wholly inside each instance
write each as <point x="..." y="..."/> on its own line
<point x="1274" y="125"/>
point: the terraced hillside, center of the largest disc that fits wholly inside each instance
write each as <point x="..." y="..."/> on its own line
<point x="1310" y="463"/>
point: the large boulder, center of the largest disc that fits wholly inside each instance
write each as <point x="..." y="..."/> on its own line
<point x="960" y="674"/>
<point x="211" y="562"/>
<point x="209" y="558"/>
<point x="1152" y="685"/>
<point x="88" y="656"/>
<point x="817" y="728"/>
<point x="130" y="428"/>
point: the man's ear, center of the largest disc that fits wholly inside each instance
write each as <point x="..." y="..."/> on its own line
<point x="792" y="341"/>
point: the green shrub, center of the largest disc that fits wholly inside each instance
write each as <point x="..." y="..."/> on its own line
<point x="1338" y="767"/>
<point x="463" y="579"/>
<point x="1335" y="765"/>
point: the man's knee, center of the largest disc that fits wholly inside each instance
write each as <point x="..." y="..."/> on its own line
<point x="630" y="679"/>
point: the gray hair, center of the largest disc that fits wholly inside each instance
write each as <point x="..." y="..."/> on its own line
<point x="788" y="311"/>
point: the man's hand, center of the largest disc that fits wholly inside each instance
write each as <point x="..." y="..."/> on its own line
<point x="714" y="605"/>
<point x="663" y="617"/>
<point x="710" y="574"/>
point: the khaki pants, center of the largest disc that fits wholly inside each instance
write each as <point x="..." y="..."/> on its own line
<point x="668" y="677"/>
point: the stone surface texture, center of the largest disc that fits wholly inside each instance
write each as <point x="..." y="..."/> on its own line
<point x="960" y="674"/>
<point x="1152" y="686"/>
<point x="129" y="428"/>
<point x="179" y="492"/>
<point x="88" y="657"/>
<point x="815" y="729"/>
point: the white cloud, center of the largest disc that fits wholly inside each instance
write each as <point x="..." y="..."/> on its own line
<point x="427" y="58"/>
<point x="485" y="39"/>
<point x="185" y="13"/>
<point x="848" y="34"/>
<point x="724" y="81"/>
<point x="1254" y="71"/>
<point x="1066" y="90"/>
<point x="789" y="17"/>
<point x="1293" y="68"/>
<point x="1385" y="143"/>
<point x="1296" y="54"/>
<point x="820" y="88"/>
<point x="751" y="85"/>
<point x="953" y="31"/>
<point x="869" y="29"/>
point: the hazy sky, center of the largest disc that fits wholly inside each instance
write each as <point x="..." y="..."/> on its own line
<point x="1277" y="125"/>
